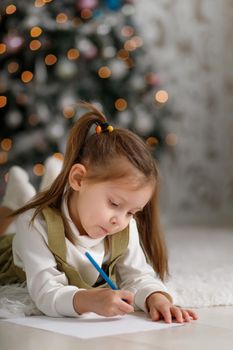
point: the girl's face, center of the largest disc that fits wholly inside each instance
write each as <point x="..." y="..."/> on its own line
<point x="104" y="208"/>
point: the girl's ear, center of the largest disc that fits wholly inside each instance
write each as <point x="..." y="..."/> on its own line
<point x="76" y="175"/>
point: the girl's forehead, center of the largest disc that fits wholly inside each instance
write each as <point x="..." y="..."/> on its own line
<point x="129" y="184"/>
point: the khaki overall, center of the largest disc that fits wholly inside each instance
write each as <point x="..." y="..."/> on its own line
<point x="10" y="273"/>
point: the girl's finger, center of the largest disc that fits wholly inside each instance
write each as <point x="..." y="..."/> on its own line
<point x="193" y="314"/>
<point x="166" y="313"/>
<point x="125" y="307"/>
<point x="154" y="314"/>
<point x="186" y="316"/>
<point x="176" y="312"/>
<point x="126" y="296"/>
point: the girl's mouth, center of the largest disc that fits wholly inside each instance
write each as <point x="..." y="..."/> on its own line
<point x="104" y="230"/>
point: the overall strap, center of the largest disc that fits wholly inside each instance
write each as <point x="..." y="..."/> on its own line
<point x="57" y="245"/>
<point x="56" y="232"/>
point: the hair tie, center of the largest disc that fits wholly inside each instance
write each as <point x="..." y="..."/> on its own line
<point x="102" y="127"/>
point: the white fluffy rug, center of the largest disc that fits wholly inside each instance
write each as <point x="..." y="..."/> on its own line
<point x="201" y="272"/>
<point x="201" y="266"/>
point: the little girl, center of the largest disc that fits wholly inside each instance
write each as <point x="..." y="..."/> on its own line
<point x="104" y="201"/>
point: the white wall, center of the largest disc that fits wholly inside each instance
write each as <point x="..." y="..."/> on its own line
<point x="190" y="44"/>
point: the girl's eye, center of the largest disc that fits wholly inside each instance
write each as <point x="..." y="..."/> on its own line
<point x="113" y="204"/>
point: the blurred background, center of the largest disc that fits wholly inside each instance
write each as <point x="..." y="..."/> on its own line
<point x="162" y="68"/>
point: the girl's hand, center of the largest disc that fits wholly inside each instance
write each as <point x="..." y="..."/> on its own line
<point x="104" y="302"/>
<point x="160" y="307"/>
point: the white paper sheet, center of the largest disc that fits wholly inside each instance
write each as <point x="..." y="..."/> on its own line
<point x="92" y="325"/>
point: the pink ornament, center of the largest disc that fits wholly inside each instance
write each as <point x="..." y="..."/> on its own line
<point x="13" y="42"/>
<point x="86" y="4"/>
<point x="152" y="79"/>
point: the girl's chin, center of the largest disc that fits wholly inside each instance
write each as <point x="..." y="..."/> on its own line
<point x="98" y="235"/>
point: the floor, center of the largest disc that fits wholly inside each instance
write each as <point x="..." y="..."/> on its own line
<point x="213" y="330"/>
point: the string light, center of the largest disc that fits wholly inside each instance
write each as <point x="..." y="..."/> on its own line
<point x="161" y="96"/>
<point x="152" y="78"/>
<point x="68" y="112"/>
<point x="3" y="157"/>
<point x="129" y="62"/>
<point x="61" y="18"/>
<point x="2" y="48"/>
<point x="77" y="22"/>
<point x="33" y="119"/>
<point x="130" y="45"/>
<point x="22" y="99"/>
<point x="127" y="31"/>
<point x="152" y="141"/>
<point x="86" y="13"/>
<point x="171" y="139"/>
<point x="120" y="104"/>
<point x="12" y="67"/>
<point x="73" y="54"/>
<point x="104" y="72"/>
<point x="50" y="59"/>
<point x="123" y="54"/>
<point x="39" y="3"/>
<point x="38" y="169"/>
<point x="35" y="45"/>
<point x="6" y="144"/>
<point x="26" y="76"/>
<point x="10" y="9"/>
<point x="35" y="32"/>
<point x="3" y="101"/>
<point x="58" y="156"/>
<point x="137" y="41"/>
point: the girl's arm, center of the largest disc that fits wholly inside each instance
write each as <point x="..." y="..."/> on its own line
<point x="47" y="286"/>
<point x="135" y="274"/>
<point x="151" y="294"/>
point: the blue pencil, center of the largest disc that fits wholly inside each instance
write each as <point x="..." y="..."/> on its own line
<point x="101" y="271"/>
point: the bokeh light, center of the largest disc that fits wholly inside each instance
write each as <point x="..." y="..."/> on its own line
<point x="171" y="139"/>
<point x="73" y="54"/>
<point x="12" y="67"/>
<point x="10" y="9"/>
<point x="35" y="45"/>
<point x="3" y="101"/>
<point x="3" y="157"/>
<point x="120" y="104"/>
<point x="2" y="48"/>
<point x="68" y="112"/>
<point x="104" y="72"/>
<point x="50" y="59"/>
<point x="26" y="76"/>
<point x="86" y="13"/>
<point x="152" y="141"/>
<point x="161" y="96"/>
<point x="61" y="18"/>
<point x="35" y="32"/>
<point x="38" y="169"/>
<point x="58" y="155"/>
<point x="6" y="144"/>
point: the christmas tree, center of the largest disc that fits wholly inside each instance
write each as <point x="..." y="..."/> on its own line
<point x="54" y="54"/>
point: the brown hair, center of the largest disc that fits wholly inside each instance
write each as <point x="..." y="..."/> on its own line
<point x="100" y="153"/>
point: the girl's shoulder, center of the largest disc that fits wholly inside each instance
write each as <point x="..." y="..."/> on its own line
<point x="26" y="222"/>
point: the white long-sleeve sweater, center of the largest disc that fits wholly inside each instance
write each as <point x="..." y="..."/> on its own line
<point x="49" y="287"/>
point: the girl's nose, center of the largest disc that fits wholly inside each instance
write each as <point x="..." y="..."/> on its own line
<point x="118" y="221"/>
<point x="113" y="220"/>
